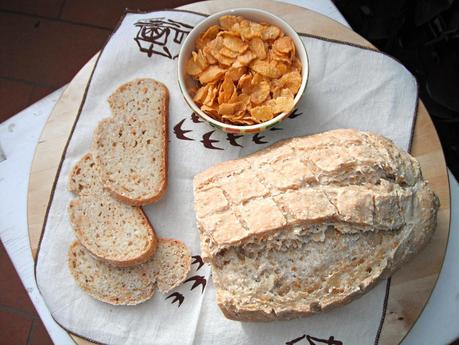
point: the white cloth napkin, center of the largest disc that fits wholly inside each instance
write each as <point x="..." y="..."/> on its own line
<point x="348" y="87"/>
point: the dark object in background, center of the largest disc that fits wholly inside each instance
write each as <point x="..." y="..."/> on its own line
<point x="424" y="36"/>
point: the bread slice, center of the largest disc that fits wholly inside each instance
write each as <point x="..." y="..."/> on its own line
<point x="171" y="264"/>
<point x="84" y="178"/>
<point x="131" y="147"/>
<point x="132" y="285"/>
<point x="106" y="283"/>
<point x="140" y="97"/>
<point x="310" y="223"/>
<point x="111" y="230"/>
<point x="131" y="154"/>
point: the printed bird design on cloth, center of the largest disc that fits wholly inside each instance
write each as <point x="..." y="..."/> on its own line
<point x="257" y="139"/>
<point x="198" y="280"/>
<point x="195" y="118"/>
<point x="232" y="139"/>
<point x="197" y="260"/>
<point x="315" y="341"/>
<point x="295" y="113"/>
<point x="180" y="296"/>
<point x="180" y="133"/>
<point x="177" y="297"/>
<point x="208" y="142"/>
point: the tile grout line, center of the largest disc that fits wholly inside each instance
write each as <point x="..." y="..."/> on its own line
<point x="61" y="9"/>
<point x="29" y="337"/>
<point x="18" y="312"/>
<point x="18" y="13"/>
<point x="33" y="83"/>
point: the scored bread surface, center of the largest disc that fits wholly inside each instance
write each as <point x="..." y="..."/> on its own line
<point x="130" y="147"/>
<point x="310" y="223"/>
<point x="107" y="283"/>
<point x="112" y="231"/>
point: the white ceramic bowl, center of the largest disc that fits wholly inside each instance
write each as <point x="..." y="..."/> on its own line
<point x="186" y="82"/>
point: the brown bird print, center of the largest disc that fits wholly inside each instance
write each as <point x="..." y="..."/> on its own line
<point x="330" y="341"/>
<point x="294" y="341"/>
<point x="197" y="260"/>
<point x="198" y="280"/>
<point x="195" y="118"/>
<point x="257" y="139"/>
<point x="315" y="341"/>
<point x="179" y="132"/>
<point x="177" y="297"/>
<point x="208" y="142"/>
<point x="295" y="113"/>
<point x="232" y="139"/>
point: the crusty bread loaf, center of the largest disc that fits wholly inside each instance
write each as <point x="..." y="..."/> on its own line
<point x="114" y="285"/>
<point x="130" y="285"/>
<point x="171" y="264"/>
<point x="310" y="223"/>
<point x="112" y="231"/>
<point x="130" y="148"/>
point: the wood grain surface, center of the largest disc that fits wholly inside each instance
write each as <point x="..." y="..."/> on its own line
<point x="410" y="287"/>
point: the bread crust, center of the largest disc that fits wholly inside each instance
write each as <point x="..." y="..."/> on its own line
<point x="391" y="187"/>
<point x="115" y="299"/>
<point x="389" y="158"/>
<point x="146" y="255"/>
<point x="415" y="242"/>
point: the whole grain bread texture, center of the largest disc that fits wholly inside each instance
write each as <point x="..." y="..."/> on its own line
<point x="111" y="230"/>
<point x="310" y="223"/>
<point x="130" y="148"/>
<point x="171" y="264"/>
<point x="130" y="285"/>
<point x="107" y="283"/>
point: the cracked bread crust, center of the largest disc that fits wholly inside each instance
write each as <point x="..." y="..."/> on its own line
<point x="310" y="223"/>
<point x="345" y="175"/>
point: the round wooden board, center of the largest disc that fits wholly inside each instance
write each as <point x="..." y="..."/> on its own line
<point x="410" y="287"/>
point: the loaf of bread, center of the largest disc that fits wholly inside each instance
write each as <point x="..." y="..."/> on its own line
<point x="130" y="285"/>
<point x="130" y="148"/>
<point x="310" y="223"/>
<point x="111" y="230"/>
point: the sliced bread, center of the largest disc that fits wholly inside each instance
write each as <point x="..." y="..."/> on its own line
<point x="84" y="178"/>
<point x="140" y="97"/>
<point x="131" y="146"/>
<point x="310" y="223"/>
<point x="106" y="283"/>
<point x="132" y="285"/>
<point x="131" y="154"/>
<point x="171" y="264"/>
<point x="111" y="230"/>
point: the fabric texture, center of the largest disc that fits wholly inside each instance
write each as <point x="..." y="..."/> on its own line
<point x="348" y="87"/>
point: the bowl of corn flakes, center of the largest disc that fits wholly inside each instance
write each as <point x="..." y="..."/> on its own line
<point x="243" y="70"/>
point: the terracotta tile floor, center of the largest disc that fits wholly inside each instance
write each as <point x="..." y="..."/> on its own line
<point x="44" y="43"/>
